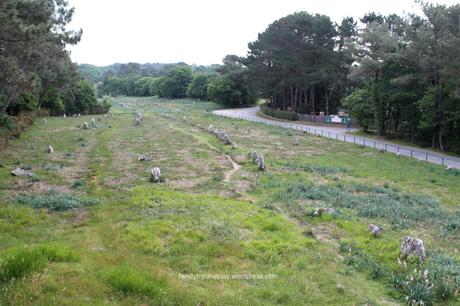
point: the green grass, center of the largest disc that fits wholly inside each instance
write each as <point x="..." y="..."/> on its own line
<point x="167" y="243"/>
<point x="21" y="261"/>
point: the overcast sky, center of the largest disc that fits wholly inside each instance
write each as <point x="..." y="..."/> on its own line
<point x="195" y="31"/>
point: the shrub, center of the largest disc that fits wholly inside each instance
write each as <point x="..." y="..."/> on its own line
<point x="27" y="102"/>
<point x="13" y="126"/>
<point x="286" y="115"/>
<point x="77" y="184"/>
<point x="106" y="104"/>
<point x="56" y="201"/>
<point x="320" y="169"/>
<point x="85" y="97"/>
<point x="7" y="122"/>
<point x="440" y="284"/>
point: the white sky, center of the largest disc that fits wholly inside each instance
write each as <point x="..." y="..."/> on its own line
<point x="195" y="31"/>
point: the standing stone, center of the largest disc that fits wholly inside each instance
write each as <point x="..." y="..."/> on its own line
<point x="211" y="129"/>
<point x="155" y="175"/>
<point x="260" y="162"/>
<point x="375" y="230"/>
<point x="50" y="149"/>
<point x="414" y="246"/>
<point x="85" y="125"/>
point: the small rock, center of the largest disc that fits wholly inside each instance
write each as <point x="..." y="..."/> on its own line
<point x="21" y="172"/>
<point x="144" y="157"/>
<point x="319" y="211"/>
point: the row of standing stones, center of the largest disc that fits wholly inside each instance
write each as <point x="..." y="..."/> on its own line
<point x="155" y="172"/>
<point x="410" y="245"/>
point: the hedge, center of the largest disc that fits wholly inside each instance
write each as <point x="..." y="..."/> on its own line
<point x="287" y="115"/>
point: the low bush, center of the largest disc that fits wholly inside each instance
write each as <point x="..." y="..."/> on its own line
<point x="78" y="184"/>
<point x="320" y="169"/>
<point x="401" y="209"/>
<point x="13" y="126"/>
<point x="56" y="201"/>
<point x="434" y="281"/>
<point x="286" y="115"/>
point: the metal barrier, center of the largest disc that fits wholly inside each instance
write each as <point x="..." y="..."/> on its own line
<point x="395" y="149"/>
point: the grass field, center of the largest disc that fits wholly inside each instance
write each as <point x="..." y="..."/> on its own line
<point x="88" y="228"/>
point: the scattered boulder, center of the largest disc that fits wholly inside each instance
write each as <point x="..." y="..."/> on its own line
<point x="50" y="149"/>
<point x="411" y="245"/>
<point x="144" y="157"/>
<point x="258" y="159"/>
<point x="319" y="211"/>
<point x="295" y="142"/>
<point x="375" y="230"/>
<point x="21" y="172"/>
<point x="138" y="121"/>
<point x="155" y="175"/>
<point x="45" y="121"/>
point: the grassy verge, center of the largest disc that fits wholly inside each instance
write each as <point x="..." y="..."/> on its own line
<point x="400" y="142"/>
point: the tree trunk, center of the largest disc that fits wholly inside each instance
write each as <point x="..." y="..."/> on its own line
<point x="8" y="101"/>
<point x="42" y="95"/>
<point x="379" y="111"/>
<point x="312" y="99"/>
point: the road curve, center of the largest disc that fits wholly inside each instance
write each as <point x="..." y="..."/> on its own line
<point x="338" y="133"/>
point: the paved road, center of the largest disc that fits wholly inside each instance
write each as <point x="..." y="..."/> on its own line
<point x="250" y="113"/>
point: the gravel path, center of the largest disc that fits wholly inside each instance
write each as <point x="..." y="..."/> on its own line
<point x="250" y="113"/>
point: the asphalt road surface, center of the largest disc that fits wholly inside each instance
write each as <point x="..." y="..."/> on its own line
<point x="339" y="133"/>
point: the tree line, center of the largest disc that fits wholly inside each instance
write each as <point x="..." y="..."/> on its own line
<point x="36" y="73"/>
<point x="226" y="84"/>
<point x="398" y="75"/>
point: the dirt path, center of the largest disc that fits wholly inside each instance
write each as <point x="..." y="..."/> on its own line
<point x="227" y="174"/>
